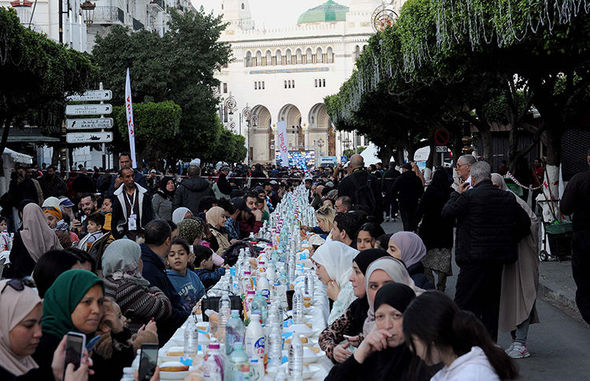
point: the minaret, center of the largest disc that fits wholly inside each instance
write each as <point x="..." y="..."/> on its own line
<point x="237" y="13"/>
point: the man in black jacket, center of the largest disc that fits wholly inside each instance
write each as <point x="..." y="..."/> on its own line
<point x="489" y="225"/>
<point x="389" y="201"/>
<point x="408" y="189"/>
<point x="576" y="200"/>
<point x="153" y="254"/>
<point x="191" y="190"/>
<point x="362" y="188"/>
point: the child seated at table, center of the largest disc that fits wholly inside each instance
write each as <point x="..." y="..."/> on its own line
<point x="94" y="224"/>
<point x="186" y="283"/>
<point x="205" y="268"/>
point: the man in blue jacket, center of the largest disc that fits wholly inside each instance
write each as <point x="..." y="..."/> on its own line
<point x="153" y="254"/>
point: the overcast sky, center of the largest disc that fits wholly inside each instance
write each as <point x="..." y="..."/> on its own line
<point x="271" y="13"/>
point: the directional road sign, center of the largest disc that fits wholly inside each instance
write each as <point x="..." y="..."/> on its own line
<point x="89" y="137"/>
<point x="91" y="95"/>
<point x="89" y="124"/>
<point x="441" y="149"/>
<point x="89" y="109"/>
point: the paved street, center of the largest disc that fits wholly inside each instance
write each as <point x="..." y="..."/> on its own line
<point x="559" y="345"/>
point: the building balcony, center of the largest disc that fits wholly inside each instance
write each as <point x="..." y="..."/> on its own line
<point x="109" y="15"/>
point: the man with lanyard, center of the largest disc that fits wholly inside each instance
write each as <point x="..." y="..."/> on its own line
<point x="132" y="207"/>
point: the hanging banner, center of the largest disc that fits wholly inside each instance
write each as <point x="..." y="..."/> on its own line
<point x="130" y="125"/>
<point x="283" y="143"/>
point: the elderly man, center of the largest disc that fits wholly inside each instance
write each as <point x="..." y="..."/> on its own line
<point x="362" y="188"/>
<point x="464" y="164"/>
<point x="489" y="225"/>
<point x="576" y="201"/>
<point x="343" y="204"/>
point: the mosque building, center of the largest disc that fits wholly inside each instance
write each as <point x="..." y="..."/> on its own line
<point x="284" y="74"/>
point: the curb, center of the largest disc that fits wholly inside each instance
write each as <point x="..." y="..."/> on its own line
<point x="560" y="300"/>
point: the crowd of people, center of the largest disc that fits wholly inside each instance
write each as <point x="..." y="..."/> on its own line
<point x="128" y="256"/>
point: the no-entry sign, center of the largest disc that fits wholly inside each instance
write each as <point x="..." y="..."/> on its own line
<point x="441" y="137"/>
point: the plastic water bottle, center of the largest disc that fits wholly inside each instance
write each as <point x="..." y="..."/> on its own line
<point x="248" y="303"/>
<point x="298" y="315"/>
<point x="259" y="306"/>
<point x="256" y="370"/>
<point x="234" y="332"/>
<point x="276" y="345"/>
<point x="213" y="369"/>
<point x="247" y="283"/>
<point x="239" y="363"/>
<point x="191" y="338"/>
<point x="224" y="314"/>
<point x="263" y="286"/>
<point x="296" y="359"/>
<point x="255" y="340"/>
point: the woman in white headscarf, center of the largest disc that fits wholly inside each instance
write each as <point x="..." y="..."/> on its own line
<point x="380" y="272"/>
<point x="180" y="214"/>
<point x="333" y="262"/>
<point x="520" y="281"/>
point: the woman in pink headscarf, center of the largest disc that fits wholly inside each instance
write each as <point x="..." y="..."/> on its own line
<point x="409" y="247"/>
<point x="31" y="242"/>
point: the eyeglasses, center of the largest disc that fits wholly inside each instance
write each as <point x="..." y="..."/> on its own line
<point x="19" y="284"/>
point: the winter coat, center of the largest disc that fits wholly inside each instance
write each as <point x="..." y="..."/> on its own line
<point x="472" y="366"/>
<point x="210" y="277"/>
<point x="576" y="200"/>
<point x="154" y="271"/>
<point x="53" y="186"/>
<point x="162" y="206"/>
<point x="368" y="198"/>
<point x="138" y="177"/>
<point x="190" y="192"/>
<point x="408" y="189"/>
<point x="416" y="272"/>
<point x="388" y="180"/>
<point x="222" y="238"/>
<point x="520" y="280"/>
<point x="489" y="224"/>
<point x="436" y="232"/>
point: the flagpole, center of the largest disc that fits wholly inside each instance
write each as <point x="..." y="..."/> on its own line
<point x="130" y="125"/>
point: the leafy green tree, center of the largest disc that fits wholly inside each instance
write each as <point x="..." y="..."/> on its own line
<point x="179" y="67"/>
<point x="156" y="128"/>
<point x="37" y="74"/>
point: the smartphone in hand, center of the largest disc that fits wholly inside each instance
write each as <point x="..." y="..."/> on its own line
<point x="148" y="360"/>
<point x="75" y="345"/>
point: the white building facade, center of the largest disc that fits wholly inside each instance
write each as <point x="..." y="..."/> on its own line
<point x="284" y="75"/>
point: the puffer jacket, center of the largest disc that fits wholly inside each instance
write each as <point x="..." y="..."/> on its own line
<point x="489" y="224"/>
<point x="190" y="192"/>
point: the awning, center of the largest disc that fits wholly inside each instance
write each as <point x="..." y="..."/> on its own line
<point x="18" y="157"/>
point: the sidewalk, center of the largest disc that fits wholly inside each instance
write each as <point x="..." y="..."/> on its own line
<point x="557" y="286"/>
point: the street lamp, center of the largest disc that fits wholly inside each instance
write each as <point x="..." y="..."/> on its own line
<point x="230" y="104"/>
<point x="87" y="8"/>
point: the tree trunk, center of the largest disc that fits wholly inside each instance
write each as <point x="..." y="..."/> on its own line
<point x="486" y="140"/>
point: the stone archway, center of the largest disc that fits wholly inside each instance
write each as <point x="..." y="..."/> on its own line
<point x="292" y="117"/>
<point x="320" y="137"/>
<point x="260" y="136"/>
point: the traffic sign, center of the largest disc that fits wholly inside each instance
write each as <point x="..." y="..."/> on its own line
<point x="441" y="149"/>
<point x="441" y="136"/>
<point x="89" y="137"/>
<point x="89" y="109"/>
<point x="91" y="95"/>
<point x="89" y="124"/>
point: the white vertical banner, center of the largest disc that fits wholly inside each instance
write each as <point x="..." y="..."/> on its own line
<point x="283" y="143"/>
<point x="130" y="125"/>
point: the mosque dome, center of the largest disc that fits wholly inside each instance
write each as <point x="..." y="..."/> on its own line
<point x="326" y="12"/>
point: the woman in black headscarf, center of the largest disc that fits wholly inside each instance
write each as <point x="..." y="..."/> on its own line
<point x="162" y="200"/>
<point x="332" y="340"/>
<point x="383" y="354"/>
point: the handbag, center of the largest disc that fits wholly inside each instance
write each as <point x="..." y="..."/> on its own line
<point x="212" y="303"/>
